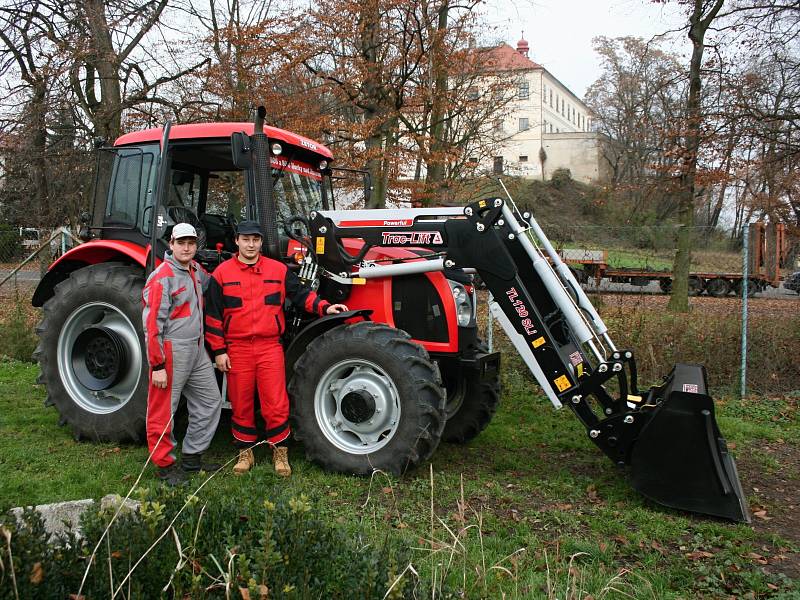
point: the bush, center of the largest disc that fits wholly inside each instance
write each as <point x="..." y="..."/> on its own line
<point x="10" y="244"/>
<point x="247" y="543"/>
<point x="17" y="338"/>
<point x="561" y="178"/>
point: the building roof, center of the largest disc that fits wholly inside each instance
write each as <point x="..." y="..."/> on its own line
<point x="506" y="58"/>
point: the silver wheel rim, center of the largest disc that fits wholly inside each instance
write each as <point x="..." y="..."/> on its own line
<point x="341" y="392"/>
<point x="99" y="316"/>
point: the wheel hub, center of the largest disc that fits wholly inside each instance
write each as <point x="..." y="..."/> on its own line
<point x="98" y="355"/>
<point x="358" y="406"/>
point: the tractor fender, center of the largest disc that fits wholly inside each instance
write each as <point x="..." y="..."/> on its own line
<point x="90" y="253"/>
<point x="315" y="329"/>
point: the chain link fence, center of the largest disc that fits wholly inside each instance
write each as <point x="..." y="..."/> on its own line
<point x="626" y="271"/>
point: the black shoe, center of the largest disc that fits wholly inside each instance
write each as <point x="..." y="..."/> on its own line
<point x="193" y="463"/>
<point x="171" y="475"/>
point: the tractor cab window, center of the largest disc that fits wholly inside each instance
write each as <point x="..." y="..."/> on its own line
<point x="184" y="190"/>
<point x="297" y="191"/>
<point x="130" y="185"/>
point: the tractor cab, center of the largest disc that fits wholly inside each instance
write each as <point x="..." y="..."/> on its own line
<point x="201" y="184"/>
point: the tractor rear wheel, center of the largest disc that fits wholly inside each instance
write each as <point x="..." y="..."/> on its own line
<point x="471" y="403"/>
<point x="365" y="397"/>
<point x="91" y="352"/>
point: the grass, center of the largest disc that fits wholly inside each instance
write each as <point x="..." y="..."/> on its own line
<point x="529" y="509"/>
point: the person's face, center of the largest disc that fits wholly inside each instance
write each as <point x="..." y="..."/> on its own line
<point x="183" y="249"/>
<point x="249" y="245"/>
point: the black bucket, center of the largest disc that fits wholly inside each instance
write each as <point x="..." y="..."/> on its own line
<point x="680" y="458"/>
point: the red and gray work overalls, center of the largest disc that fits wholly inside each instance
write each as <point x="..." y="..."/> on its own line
<point x="173" y="324"/>
<point x="244" y="318"/>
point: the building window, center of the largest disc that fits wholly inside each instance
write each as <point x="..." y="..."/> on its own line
<point x="472" y="161"/>
<point x="473" y="94"/>
<point x="551" y="128"/>
<point x="524" y="124"/>
<point x="497" y="168"/>
<point x="498" y="124"/>
<point x="523" y="90"/>
<point x="523" y="158"/>
<point x="551" y="98"/>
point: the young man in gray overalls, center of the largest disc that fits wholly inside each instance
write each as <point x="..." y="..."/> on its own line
<point x="179" y="363"/>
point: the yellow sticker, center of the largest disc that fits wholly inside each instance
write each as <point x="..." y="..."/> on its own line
<point x="580" y="369"/>
<point x="359" y="281"/>
<point x="562" y="383"/>
<point x="632" y="398"/>
<point x="538" y="342"/>
<point x="320" y="245"/>
<point x="482" y="204"/>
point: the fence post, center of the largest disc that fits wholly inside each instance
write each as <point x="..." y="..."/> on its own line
<point x="745" y="293"/>
<point x="489" y="328"/>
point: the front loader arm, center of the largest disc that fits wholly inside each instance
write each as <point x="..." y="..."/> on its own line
<point x="668" y="435"/>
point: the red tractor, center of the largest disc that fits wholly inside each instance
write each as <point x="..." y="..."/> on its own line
<point x="381" y="385"/>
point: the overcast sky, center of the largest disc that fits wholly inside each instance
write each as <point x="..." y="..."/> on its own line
<point x="560" y="32"/>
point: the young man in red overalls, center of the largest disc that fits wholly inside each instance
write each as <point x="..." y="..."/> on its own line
<point x="244" y="322"/>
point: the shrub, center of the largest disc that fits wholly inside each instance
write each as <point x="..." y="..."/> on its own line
<point x="10" y="244"/>
<point x="215" y="549"/>
<point x="17" y="339"/>
<point x="561" y="178"/>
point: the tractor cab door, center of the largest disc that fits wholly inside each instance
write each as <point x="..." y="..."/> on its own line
<point x="124" y="189"/>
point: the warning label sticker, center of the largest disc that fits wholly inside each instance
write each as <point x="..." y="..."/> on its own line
<point x="575" y="358"/>
<point x="690" y="388"/>
<point x="562" y="383"/>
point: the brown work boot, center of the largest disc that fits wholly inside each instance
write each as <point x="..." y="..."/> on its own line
<point x="245" y="462"/>
<point x="280" y="459"/>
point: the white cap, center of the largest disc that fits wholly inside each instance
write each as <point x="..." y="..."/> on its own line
<point x="182" y="230"/>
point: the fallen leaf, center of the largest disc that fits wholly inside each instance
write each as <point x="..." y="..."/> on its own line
<point x="563" y="506"/>
<point x="37" y="573"/>
<point x="698" y="554"/>
<point x="245" y="593"/>
<point x="603" y="547"/>
<point x="591" y="493"/>
<point x="400" y="525"/>
<point x="758" y="558"/>
<point x="772" y="586"/>
<point x="732" y="445"/>
<point x="116" y="554"/>
<point x="386" y="490"/>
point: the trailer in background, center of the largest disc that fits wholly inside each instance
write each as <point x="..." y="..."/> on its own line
<point x="767" y="259"/>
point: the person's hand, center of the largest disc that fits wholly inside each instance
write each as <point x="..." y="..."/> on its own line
<point x="335" y="309"/>
<point x="223" y="362"/>
<point x="159" y="379"/>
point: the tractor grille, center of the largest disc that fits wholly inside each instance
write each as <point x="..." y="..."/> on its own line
<point x="418" y="309"/>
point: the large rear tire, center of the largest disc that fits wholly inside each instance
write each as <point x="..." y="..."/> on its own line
<point x="471" y="403"/>
<point x="365" y="397"/>
<point x="91" y="353"/>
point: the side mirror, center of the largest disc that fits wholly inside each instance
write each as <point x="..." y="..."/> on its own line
<point x="240" y="150"/>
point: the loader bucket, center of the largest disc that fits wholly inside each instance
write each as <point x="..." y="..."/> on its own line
<point x="680" y="458"/>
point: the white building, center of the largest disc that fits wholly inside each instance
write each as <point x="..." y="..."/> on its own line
<point x="546" y="127"/>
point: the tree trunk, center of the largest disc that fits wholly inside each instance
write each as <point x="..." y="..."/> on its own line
<point x="106" y="113"/>
<point x="438" y="146"/>
<point x="699" y="24"/>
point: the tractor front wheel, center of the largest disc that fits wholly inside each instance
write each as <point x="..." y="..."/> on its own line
<point x="365" y="397"/>
<point x="471" y="403"/>
<point x="91" y="353"/>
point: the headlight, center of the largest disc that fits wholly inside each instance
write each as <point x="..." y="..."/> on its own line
<point x="277" y="149"/>
<point x="465" y="314"/>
